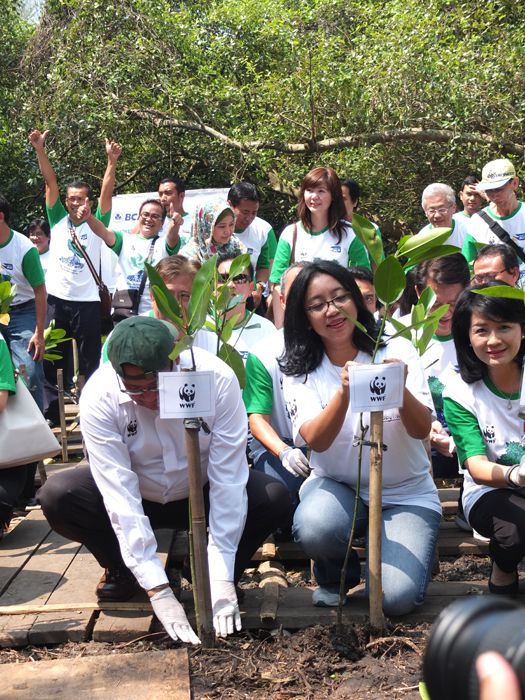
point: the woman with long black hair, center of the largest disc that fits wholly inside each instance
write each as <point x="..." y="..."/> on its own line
<point x="321" y="343"/>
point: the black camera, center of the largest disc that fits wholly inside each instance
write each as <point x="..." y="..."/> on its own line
<point x="462" y="632"/>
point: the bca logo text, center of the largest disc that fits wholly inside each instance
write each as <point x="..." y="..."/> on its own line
<point x="378" y="388"/>
<point x="187" y="396"/>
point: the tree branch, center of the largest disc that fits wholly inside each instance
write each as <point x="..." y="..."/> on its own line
<point x="334" y="144"/>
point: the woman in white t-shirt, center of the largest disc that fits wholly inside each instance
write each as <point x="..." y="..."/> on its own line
<point x="320" y="344"/>
<point x="321" y="233"/>
<point x="482" y="409"/>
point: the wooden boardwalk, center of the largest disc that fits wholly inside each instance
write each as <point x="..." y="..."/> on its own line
<point x="50" y="583"/>
<point x="47" y="584"/>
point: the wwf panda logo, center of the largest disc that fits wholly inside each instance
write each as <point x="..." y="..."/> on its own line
<point x="291" y="409"/>
<point x="378" y="385"/>
<point x="132" y="428"/>
<point x="187" y="392"/>
<point x="489" y="433"/>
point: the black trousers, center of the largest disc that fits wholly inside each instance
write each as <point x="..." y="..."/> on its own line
<point x="500" y="515"/>
<point x="12" y="482"/>
<point x="81" y="321"/>
<point x="74" y="508"/>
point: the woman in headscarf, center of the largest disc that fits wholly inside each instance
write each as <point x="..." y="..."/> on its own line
<point x="212" y="233"/>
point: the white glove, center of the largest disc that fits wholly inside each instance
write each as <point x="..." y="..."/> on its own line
<point x="294" y="461"/>
<point x="516" y="474"/>
<point x="172" y="616"/>
<point x="225" y="608"/>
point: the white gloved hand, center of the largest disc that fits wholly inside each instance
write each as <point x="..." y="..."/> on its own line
<point x="517" y="475"/>
<point x="172" y="616"/>
<point x="225" y="608"/>
<point x="294" y="461"/>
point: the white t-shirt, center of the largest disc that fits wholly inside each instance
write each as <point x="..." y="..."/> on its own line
<point x="133" y="250"/>
<point x="263" y="392"/>
<point x="68" y="276"/>
<point x="482" y="422"/>
<point x="255" y="238"/>
<point x="440" y="365"/>
<point x="406" y="468"/>
<point x="184" y="230"/>
<point x="244" y="338"/>
<point x="458" y="234"/>
<point x="20" y="264"/>
<point x="318" y="246"/>
<point x="514" y="225"/>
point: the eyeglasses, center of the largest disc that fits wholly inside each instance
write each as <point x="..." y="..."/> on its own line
<point x="238" y="279"/>
<point x="487" y="276"/>
<point x="146" y="389"/>
<point x="147" y="215"/>
<point x="323" y="306"/>
<point x="438" y="210"/>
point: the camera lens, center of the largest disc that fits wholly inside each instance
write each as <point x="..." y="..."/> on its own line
<point x="462" y="632"/>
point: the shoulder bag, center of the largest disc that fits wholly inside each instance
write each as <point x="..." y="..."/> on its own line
<point x="126" y="302"/>
<point x="24" y="434"/>
<point x="502" y="234"/>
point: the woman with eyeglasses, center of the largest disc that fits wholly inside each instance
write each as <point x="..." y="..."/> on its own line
<point x="482" y="411"/>
<point x="249" y="328"/>
<point x="212" y="233"/>
<point x="321" y="232"/>
<point x="321" y="343"/>
<point x="39" y="233"/>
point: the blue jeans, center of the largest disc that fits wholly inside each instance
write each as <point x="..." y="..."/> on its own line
<point x="322" y="524"/>
<point x="18" y="334"/>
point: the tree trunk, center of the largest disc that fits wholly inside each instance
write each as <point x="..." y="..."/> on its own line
<point x="374" y="523"/>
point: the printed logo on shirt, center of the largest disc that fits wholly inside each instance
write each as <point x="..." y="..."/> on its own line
<point x="489" y="433"/>
<point x="513" y="453"/>
<point x="518" y="236"/>
<point x="7" y="266"/>
<point x="137" y="261"/>
<point x="134" y="280"/>
<point x="250" y="251"/>
<point x="336" y="249"/>
<point x="377" y="388"/>
<point x="71" y="264"/>
<point x="74" y="249"/>
<point x="291" y="409"/>
<point x="187" y="395"/>
<point x="132" y="428"/>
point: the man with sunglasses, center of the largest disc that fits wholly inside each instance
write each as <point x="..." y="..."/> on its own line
<point x="249" y="328"/>
<point x="137" y="478"/>
<point x="503" y="220"/>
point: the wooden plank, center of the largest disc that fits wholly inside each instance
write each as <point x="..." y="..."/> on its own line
<point x="34" y="584"/>
<point x="19" y="544"/>
<point x="156" y="676"/>
<point x="77" y="585"/>
<point x="123" y="626"/>
<point x="449" y="494"/>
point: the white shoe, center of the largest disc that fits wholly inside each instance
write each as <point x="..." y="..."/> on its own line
<point x="323" y="598"/>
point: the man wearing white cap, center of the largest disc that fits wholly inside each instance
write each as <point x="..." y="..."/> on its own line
<point x="503" y="220"/>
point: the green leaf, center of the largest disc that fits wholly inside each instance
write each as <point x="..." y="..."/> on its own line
<point x="201" y="292"/>
<point x="502" y="291"/>
<point x="166" y="304"/>
<point x="239" y="264"/>
<point x="52" y="356"/>
<point x="437" y="252"/>
<point x="182" y="344"/>
<point x="220" y="302"/>
<point x="401" y="329"/>
<point x="428" y="331"/>
<point x="423" y="241"/>
<point x="369" y="237"/>
<point x="233" y="359"/>
<point x="389" y="280"/>
<point x="427" y="298"/>
<point x="227" y="330"/>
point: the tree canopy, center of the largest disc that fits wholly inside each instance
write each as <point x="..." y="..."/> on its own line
<point x="395" y="94"/>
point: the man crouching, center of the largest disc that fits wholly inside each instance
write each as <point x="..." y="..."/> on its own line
<point x="137" y="479"/>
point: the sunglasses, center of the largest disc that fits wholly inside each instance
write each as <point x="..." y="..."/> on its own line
<point x="238" y="279"/>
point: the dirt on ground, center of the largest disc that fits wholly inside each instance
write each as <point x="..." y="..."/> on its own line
<point x="282" y="664"/>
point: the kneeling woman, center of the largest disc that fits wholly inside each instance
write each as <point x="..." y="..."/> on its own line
<point x="482" y="412"/>
<point x="320" y="345"/>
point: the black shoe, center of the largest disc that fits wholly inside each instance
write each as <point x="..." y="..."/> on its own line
<point x="117" y="585"/>
<point x="509" y="589"/>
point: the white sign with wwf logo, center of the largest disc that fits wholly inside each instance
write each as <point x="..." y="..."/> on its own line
<point x="186" y="394"/>
<point x="376" y="387"/>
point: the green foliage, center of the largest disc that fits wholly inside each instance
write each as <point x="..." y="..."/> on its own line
<point x="7" y="294"/>
<point x="271" y="71"/>
<point x="502" y="291"/>
<point x="389" y="280"/>
<point x="52" y="338"/>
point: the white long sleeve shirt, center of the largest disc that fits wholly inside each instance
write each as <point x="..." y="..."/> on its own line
<point x="135" y="455"/>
